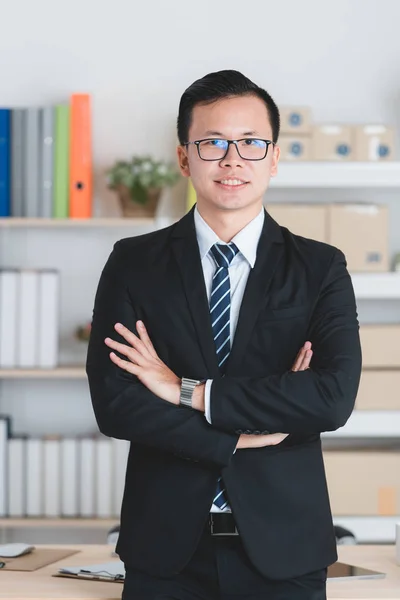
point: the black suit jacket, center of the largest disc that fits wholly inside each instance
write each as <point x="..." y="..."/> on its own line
<point x="298" y="290"/>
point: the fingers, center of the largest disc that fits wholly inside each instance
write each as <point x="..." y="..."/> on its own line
<point x="144" y="336"/>
<point x="303" y="358"/>
<point x="305" y="364"/>
<point x="143" y="346"/>
<point x="125" y="364"/>
<point x="128" y="351"/>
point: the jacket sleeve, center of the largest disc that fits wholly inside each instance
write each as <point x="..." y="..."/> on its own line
<point x="319" y="399"/>
<point x="123" y="406"/>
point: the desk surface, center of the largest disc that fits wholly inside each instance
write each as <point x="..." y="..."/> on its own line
<point x="16" y="585"/>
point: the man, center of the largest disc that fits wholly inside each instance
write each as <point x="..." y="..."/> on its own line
<point x="193" y="357"/>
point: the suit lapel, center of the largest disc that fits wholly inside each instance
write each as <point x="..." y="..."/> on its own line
<point x="269" y="253"/>
<point x="186" y="251"/>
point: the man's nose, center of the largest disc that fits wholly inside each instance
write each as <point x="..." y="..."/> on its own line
<point x="232" y="156"/>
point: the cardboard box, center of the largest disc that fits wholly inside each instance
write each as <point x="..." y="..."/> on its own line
<point x="379" y="390"/>
<point x="363" y="482"/>
<point x="375" y="142"/>
<point x="333" y="143"/>
<point x="361" y="231"/>
<point x="380" y="346"/>
<point x="295" y="119"/>
<point x="307" y="220"/>
<point x="295" y="148"/>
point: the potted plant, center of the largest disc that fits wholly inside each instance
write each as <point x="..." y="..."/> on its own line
<point x="139" y="183"/>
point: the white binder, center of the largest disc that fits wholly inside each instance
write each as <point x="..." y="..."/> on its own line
<point x="4" y="426"/>
<point x="28" y="319"/>
<point x="9" y="291"/>
<point x="52" y="477"/>
<point x="120" y="458"/>
<point x="34" y="477"/>
<point x="69" y="477"/>
<point x="49" y="302"/>
<point x="16" y="477"/>
<point x="86" y="476"/>
<point x="103" y="478"/>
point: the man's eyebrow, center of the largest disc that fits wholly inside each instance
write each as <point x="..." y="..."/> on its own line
<point x="209" y="132"/>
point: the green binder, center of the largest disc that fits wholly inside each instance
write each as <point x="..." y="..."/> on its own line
<point x="61" y="162"/>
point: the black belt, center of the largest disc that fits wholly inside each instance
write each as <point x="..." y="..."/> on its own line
<point x="221" y="524"/>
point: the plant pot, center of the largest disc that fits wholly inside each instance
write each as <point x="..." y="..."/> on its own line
<point x="132" y="209"/>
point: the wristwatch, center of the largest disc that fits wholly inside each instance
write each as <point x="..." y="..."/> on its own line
<point x="187" y="389"/>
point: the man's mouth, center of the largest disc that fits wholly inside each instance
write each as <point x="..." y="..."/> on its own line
<point x="232" y="182"/>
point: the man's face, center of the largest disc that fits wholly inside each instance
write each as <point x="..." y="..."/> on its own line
<point x="232" y="119"/>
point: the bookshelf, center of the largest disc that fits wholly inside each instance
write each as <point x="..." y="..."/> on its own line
<point x="77" y="372"/>
<point x="17" y="222"/>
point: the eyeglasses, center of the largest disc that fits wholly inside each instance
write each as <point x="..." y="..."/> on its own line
<point x="217" y="149"/>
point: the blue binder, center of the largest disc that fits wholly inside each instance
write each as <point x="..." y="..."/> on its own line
<point x="4" y="162"/>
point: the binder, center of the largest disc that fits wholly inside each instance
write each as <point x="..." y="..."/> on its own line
<point x="86" y="475"/>
<point x="120" y="458"/>
<point x="69" y="479"/>
<point x="61" y="162"/>
<point x="17" y="162"/>
<point x="4" y="162"/>
<point x="31" y="163"/>
<point x="28" y="319"/>
<point x="48" y="324"/>
<point x="52" y="476"/>
<point x="46" y="141"/>
<point x="4" y="434"/>
<point x="34" y="477"/>
<point x="9" y="292"/>
<point x="80" y="190"/>
<point x="16" y="484"/>
<point x="103" y="478"/>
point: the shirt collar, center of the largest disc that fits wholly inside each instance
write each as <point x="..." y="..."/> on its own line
<point x="246" y="240"/>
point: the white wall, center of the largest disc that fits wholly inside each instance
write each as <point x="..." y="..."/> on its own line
<point x="136" y="59"/>
<point x="341" y="57"/>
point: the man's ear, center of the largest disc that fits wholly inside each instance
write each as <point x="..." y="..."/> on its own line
<point x="275" y="160"/>
<point x="183" y="161"/>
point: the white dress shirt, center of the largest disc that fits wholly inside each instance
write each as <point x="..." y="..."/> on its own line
<point x="247" y="241"/>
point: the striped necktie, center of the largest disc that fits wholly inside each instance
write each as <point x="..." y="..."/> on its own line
<point x="220" y="305"/>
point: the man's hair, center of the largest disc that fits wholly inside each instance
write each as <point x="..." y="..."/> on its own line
<point x="218" y="85"/>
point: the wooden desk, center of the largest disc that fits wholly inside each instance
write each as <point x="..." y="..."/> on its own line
<point x="15" y="585"/>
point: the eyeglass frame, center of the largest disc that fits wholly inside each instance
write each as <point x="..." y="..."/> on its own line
<point x="235" y="142"/>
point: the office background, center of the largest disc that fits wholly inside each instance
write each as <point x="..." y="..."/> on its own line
<point x="135" y="60"/>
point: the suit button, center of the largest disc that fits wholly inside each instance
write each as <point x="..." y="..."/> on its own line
<point x="247" y="431"/>
<point x="265" y="432"/>
<point x="239" y="431"/>
<point x="257" y="432"/>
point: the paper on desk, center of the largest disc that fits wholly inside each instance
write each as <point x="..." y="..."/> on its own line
<point x="110" y="570"/>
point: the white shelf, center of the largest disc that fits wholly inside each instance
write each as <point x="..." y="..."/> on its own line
<point x="369" y="424"/>
<point x="376" y="285"/>
<point x="58" y="373"/>
<point x="94" y="222"/>
<point x="370" y="529"/>
<point x="337" y="175"/>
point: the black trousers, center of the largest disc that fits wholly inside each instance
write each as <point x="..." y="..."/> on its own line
<point x="220" y="570"/>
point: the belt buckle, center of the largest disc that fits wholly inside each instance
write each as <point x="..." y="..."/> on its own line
<point x="223" y="534"/>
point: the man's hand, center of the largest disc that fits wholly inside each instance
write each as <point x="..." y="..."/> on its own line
<point x="145" y="363"/>
<point x="303" y="359"/>
<point x="301" y="363"/>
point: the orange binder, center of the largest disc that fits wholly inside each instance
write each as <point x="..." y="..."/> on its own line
<point x="80" y="178"/>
